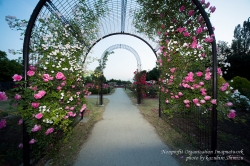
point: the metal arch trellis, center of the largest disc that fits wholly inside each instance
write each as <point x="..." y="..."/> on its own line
<point x="118" y="19"/>
<point x="123" y="46"/>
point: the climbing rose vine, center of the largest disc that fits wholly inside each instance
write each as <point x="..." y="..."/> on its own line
<point x="56" y="93"/>
<point x="184" y="56"/>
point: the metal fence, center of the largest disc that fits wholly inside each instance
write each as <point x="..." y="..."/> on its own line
<point x="194" y="124"/>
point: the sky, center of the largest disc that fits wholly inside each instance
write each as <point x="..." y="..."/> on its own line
<point x="122" y="64"/>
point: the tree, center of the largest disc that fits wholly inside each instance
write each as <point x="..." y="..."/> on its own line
<point x="153" y="74"/>
<point x="8" y="67"/>
<point x="241" y="41"/>
<point x="239" y="55"/>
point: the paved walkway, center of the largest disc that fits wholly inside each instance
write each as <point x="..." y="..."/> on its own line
<point x="123" y="138"/>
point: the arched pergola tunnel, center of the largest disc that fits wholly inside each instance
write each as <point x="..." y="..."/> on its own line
<point x="85" y="23"/>
<point x="120" y="46"/>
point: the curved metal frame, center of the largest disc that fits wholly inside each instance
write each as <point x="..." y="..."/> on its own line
<point x="123" y="15"/>
<point x="129" y="34"/>
<point x="123" y="46"/>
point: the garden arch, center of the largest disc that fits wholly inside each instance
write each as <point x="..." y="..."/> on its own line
<point x="97" y="20"/>
<point x="123" y="46"/>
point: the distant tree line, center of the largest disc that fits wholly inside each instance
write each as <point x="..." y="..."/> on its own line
<point x="238" y="54"/>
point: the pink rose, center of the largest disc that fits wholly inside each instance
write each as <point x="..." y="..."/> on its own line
<point x="3" y="96"/>
<point x="186" y="34"/>
<point x="30" y="73"/>
<point x="167" y="101"/>
<point x="203" y="93"/>
<point x="209" y="39"/>
<point x="207" y="98"/>
<point x="198" y="104"/>
<point x="42" y="92"/>
<point x="208" y="4"/>
<point x="50" y="130"/>
<point x="35" y="105"/>
<point x="213" y="101"/>
<point x="33" y="88"/>
<point x="32" y="141"/>
<point x="195" y="101"/>
<point x="231" y="114"/>
<point x="199" y="73"/>
<point x="46" y="77"/>
<point x="229" y="104"/>
<point x="59" y="88"/>
<point x="219" y="71"/>
<point x="180" y="93"/>
<point x="17" y="77"/>
<point x="36" y="128"/>
<point x="199" y="30"/>
<point x="212" y="9"/>
<point x="17" y="97"/>
<point x="201" y="83"/>
<point x="207" y="76"/>
<point x="182" y="8"/>
<point x="37" y="96"/>
<point x="3" y="123"/>
<point x="20" y="145"/>
<point x="202" y="101"/>
<point x="84" y="106"/>
<point x="172" y="70"/>
<point x="186" y="101"/>
<point x="39" y="115"/>
<point x="32" y="68"/>
<point x="67" y="107"/>
<point x="59" y="75"/>
<point x="20" y="122"/>
<point x="191" y="12"/>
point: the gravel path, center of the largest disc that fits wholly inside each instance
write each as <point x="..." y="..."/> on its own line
<point x="123" y="138"/>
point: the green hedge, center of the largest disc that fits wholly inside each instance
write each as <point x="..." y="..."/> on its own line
<point x="95" y="91"/>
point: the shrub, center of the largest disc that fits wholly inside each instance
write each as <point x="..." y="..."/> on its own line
<point x="242" y="84"/>
<point x="95" y="91"/>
